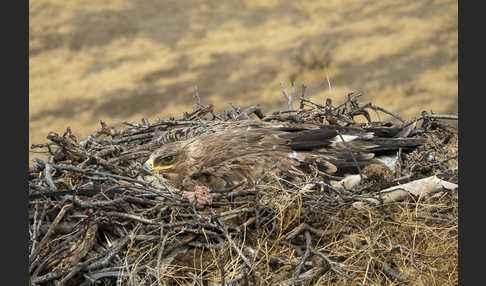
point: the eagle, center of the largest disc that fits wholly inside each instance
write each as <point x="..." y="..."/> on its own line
<point x="228" y="154"/>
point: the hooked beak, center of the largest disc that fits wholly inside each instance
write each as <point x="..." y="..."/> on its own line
<point x="149" y="165"/>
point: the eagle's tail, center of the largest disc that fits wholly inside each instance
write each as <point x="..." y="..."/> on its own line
<point x="392" y="144"/>
<point x="357" y="139"/>
<point x="352" y="148"/>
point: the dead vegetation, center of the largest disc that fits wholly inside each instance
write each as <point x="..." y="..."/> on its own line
<point x="94" y="221"/>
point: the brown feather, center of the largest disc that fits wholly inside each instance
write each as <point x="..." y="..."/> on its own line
<point x="226" y="153"/>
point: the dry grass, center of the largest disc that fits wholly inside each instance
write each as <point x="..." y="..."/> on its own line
<point x="413" y="238"/>
<point x="122" y="60"/>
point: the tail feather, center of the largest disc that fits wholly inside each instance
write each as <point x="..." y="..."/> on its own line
<point x="386" y="132"/>
<point x="342" y="149"/>
<point x="391" y="144"/>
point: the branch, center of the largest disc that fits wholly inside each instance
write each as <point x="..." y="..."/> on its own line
<point x="287" y="96"/>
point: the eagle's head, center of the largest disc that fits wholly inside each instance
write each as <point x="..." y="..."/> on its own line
<point x="171" y="162"/>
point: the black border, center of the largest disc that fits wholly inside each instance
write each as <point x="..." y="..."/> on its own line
<point x="15" y="140"/>
<point x="472" y="199"/>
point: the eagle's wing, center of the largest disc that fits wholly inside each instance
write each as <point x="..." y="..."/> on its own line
<point x="248" y="169"/>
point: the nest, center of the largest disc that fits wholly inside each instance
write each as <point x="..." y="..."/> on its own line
<point x="93" y="221"/>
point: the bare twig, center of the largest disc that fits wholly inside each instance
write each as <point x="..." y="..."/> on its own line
<point x="196" y="95"/>
<point x="387" y="270"/>
<point x="131" y="216"/>
<point x="249" y="110"/>
<point x="333" y="266"/>
<point x="47" y="175"/>
<point x="304" y="258"/>
<point x="44" y="240"/>
<point x="286" y="95"/>
<point x="224" y="229"/>
<point x="430" y="116"/>
<point x="302" y="96"/>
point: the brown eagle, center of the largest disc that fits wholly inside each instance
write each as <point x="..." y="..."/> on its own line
<point x="225" y="154"/>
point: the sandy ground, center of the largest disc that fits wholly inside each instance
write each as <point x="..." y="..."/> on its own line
<point x="119" y="60"/>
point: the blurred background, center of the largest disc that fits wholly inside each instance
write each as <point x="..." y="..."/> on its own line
<point x="117" y="60"/>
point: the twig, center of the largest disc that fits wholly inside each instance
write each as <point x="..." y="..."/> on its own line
<point x="304" y="258"/>
<point x="47" y="277"/>
<point x="47" y="176"/>
<point x="112" y="251"/>
<point x="132" y="217"/>
<point x="302" y="96"/>
<point x="196" y="95"/>
<point x="160" y="251"/>
<point x="306" y="227"/>
<point x="221" y="269"/>
<point x="332" y="266"/>
<point x="374" y="107"/>
<point x="430" y="116"/>
<point x="43" y="241"/>
<point x="97" y="204"/>
<point x="78" y="267"/>
<point x="180" y="243"/>
<point x="313" y="272"/>
<point x="224" y="229"/>
<point x="403" y="248"/>
<point x="132" y="138"/>
<point x="249" y="110"/>
<point x="292" y="93"/>
<point x="36" y="225"/>
<point x="287" y="96"/>
<point x="109" y="151"/>
<point x="313" y="103"/>
<point x="236" y="108"/>
<point x="387" y="270"/>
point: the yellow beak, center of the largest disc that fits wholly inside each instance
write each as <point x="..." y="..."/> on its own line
<point x="149" y="166"/>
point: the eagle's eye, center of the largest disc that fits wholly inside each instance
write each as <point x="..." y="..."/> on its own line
<point x="164" y="160"/>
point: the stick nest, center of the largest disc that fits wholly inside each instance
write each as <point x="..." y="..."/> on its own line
<point x="93" y="221"/>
